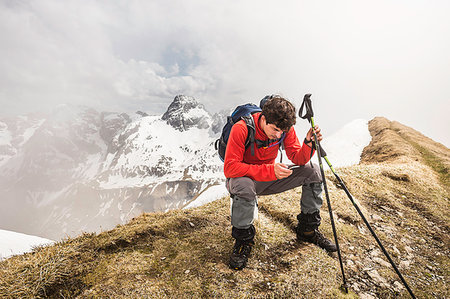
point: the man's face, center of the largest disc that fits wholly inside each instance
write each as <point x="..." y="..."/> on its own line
<point x="272" y="131"/>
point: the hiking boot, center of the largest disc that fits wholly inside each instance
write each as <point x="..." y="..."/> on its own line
<point x="241" y="252"/>
<point x="318" y="239"/>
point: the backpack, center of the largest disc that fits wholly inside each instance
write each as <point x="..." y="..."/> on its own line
<point x="244" y="112"/>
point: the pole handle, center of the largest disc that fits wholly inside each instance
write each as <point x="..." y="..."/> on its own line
<point x="306" y="104"/>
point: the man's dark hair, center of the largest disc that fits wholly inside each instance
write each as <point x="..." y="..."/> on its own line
<point x="280" y="112"/>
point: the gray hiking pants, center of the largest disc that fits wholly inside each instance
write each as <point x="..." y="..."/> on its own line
<point x="244" y="190"/>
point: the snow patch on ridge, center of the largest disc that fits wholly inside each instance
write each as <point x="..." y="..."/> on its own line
<point x="344" y="148"/>
<point x="12" y="243"/>
<point x="209" y="195"/>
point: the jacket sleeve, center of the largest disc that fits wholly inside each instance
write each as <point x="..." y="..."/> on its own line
<point x="235" y="166"/>
<point x="298" y="154"/>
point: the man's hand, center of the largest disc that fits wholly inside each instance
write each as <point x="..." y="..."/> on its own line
<point x="282" y="171"/>
<point x="309" y="135"/>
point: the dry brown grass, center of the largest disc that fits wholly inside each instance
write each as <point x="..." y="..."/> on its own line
<point x="185" y="253"/>
<point x="393" y="142"/>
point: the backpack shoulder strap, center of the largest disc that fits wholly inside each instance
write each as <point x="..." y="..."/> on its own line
<point x="250" y="122"/>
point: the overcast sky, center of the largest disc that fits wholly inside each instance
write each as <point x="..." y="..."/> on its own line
<point x="359" y="59"/>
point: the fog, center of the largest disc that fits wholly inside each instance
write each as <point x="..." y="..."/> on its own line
<point x="359" y="59"/>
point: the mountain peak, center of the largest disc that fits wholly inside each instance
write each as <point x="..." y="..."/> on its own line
<point x="185" y="112"/>
<point x="184" y="101"/>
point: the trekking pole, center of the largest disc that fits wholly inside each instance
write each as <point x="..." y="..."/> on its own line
<point x="349" y="195"/>
<point x="370" y="229"/>
<point x="310" y="114"/>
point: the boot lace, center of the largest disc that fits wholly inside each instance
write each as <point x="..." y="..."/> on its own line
<point x="242" y="249"/>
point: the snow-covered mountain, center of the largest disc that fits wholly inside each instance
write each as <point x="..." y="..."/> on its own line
<point x="82" y="170"/>
<point x="78" y="169"/>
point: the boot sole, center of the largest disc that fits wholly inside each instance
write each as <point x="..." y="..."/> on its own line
<point x="307" y="241"/>
<point x="237" y="267"/>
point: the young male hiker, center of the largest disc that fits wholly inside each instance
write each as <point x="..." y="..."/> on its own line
<point x="254" y="172"/>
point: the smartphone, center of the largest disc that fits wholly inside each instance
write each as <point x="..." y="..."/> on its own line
<point x="293" y="166"/>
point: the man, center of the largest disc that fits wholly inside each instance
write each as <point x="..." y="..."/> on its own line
<point x="251" y="174"/>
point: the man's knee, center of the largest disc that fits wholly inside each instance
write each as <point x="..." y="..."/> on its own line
<point x="314" y="174"/>
<point x="242" y="187"/>
<point x="307" y="174"/>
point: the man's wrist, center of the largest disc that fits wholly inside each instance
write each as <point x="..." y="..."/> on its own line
<point x="309" y="143"/>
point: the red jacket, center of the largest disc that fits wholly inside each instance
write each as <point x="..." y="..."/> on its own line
<point x="239" y="162"/>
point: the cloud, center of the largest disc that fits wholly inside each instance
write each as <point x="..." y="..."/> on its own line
<point x="55" y="51"/>
<point x="358" y="59"/>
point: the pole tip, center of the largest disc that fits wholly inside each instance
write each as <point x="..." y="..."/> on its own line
<point x="344" y="288"/>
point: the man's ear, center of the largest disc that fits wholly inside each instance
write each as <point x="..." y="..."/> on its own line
<point x="263" y="121"/>
<point x="263" y="118"/>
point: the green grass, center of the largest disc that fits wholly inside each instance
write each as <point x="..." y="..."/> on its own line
<point x="435" y="163"/>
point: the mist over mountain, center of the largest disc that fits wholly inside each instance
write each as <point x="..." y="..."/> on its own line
<point x="77" y="169"/>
